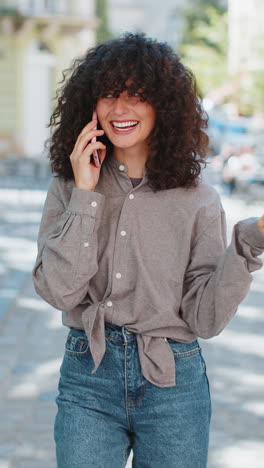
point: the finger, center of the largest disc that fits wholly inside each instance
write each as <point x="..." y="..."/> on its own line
<point x="82" y="142"/>
<point x="89" y="135"/>
<point x="90" y="126"/>
<point x="98" y="145"/>
<point x="261" y="224"/>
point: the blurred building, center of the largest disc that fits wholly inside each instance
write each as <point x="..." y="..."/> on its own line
<point x="163" y="21"/>
<point x="125" y="15"/>
<point x="246" y="36"/>
<point x="38" y="39"/>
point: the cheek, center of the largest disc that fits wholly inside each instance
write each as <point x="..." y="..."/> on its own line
<point x="150" y="115"/>
<point x="100" y="113"/>
<point x="151" y="121"/>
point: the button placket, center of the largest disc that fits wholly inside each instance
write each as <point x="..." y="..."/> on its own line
<point x="120" y="249"/>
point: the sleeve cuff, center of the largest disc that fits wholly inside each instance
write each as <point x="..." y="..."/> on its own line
<point x="86" y="202"/>
<point x="250" y="232"/>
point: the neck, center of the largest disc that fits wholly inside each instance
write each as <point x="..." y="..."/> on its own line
<point x="134" y="159"/>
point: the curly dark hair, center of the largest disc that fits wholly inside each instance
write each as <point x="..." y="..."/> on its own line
<point x="178" y="143"/>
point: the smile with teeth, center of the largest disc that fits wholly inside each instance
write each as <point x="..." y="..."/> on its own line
<point x="123" y="126"/>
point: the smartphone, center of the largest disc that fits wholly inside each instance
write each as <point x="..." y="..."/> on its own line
<point x="96" y="158"/>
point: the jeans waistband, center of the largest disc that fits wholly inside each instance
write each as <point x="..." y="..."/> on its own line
<point x="121" y="334"/>
<point x="117" y="331"/>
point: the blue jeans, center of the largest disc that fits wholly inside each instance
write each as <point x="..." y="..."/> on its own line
<point x="102" y="416"/>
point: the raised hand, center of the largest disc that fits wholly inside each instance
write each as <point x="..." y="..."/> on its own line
<point x="261" y="224"/>
<point x="86" y="174"/>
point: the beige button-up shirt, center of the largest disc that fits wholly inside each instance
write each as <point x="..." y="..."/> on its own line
<point x="156" y="263"/>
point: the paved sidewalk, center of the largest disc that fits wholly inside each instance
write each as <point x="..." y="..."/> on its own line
<point x="32" y="345"/>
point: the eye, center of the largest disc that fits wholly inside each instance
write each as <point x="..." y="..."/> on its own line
<point x="108" y="95"/>
<point x="137" y="95"/>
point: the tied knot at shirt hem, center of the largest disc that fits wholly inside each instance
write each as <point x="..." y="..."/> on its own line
<point x="155" y="368"/>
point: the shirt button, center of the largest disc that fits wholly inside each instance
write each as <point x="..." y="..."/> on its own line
<point x="118" y="275"/>
<point x="131" y="196"/>
<point x="123" y="233"/>
<point x="86" y="244"/>
<point x="109" y="303"/>
<point x="94" y="203"/>
<point x="121" y="167"/>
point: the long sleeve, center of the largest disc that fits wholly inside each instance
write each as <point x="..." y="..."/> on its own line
<point x="67" y="245"/>
<point x="218" y="277"/>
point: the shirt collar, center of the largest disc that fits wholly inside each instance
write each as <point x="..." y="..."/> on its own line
<point x="117" y="165"/>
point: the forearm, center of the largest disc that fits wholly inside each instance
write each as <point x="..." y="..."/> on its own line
<point x="212" y="298"/>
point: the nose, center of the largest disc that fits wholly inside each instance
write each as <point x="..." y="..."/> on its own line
<point x="120" y="106"/>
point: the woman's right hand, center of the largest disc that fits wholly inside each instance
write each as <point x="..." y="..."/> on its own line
<point x="86" y="174"/>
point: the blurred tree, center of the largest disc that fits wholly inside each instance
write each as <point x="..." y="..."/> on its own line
<point x="250" y="98"/>
<point x="258" y="90"/>
<point x="103" y="33"/>
<point x="195" y="12"/>
<point x="204" y="43"/>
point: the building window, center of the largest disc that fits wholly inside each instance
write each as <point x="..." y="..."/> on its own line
<point x="44" y="7"/>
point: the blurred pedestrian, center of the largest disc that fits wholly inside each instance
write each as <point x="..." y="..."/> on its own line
<point x="249" y="166"/>
<point x="231" y="169"/>
<point x="133" y="252"/>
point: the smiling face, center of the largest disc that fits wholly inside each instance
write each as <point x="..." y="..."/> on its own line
<point x="126" y="120"/>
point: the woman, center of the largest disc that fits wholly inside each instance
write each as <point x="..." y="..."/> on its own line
<point x="134" y="254"/>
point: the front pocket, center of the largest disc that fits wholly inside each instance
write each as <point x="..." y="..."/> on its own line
<point x="188" y="361"/>
<point x="184" y="350"/>
<point x="76" y="346"/>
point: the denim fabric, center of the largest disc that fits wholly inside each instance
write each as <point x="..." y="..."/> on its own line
<point x="102" y="416"/>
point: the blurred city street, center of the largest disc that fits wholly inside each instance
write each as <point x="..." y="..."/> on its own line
<point x="48" y="88"/>
<point x="32" y="346"/>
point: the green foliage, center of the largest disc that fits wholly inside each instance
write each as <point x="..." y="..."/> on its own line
<point x="103" y="33"/>
<point x="204" y="43"/>
<point x="258" y="89"/>
<point x="251" y="96"/>
<point x="197" y="12"/>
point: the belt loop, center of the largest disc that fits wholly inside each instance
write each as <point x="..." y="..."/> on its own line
<point x="124" y="333"/>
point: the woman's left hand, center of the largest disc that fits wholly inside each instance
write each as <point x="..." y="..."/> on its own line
<point x="261" y="224"/>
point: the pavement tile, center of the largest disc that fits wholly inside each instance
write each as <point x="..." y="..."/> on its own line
<point x="5" y="463"/>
